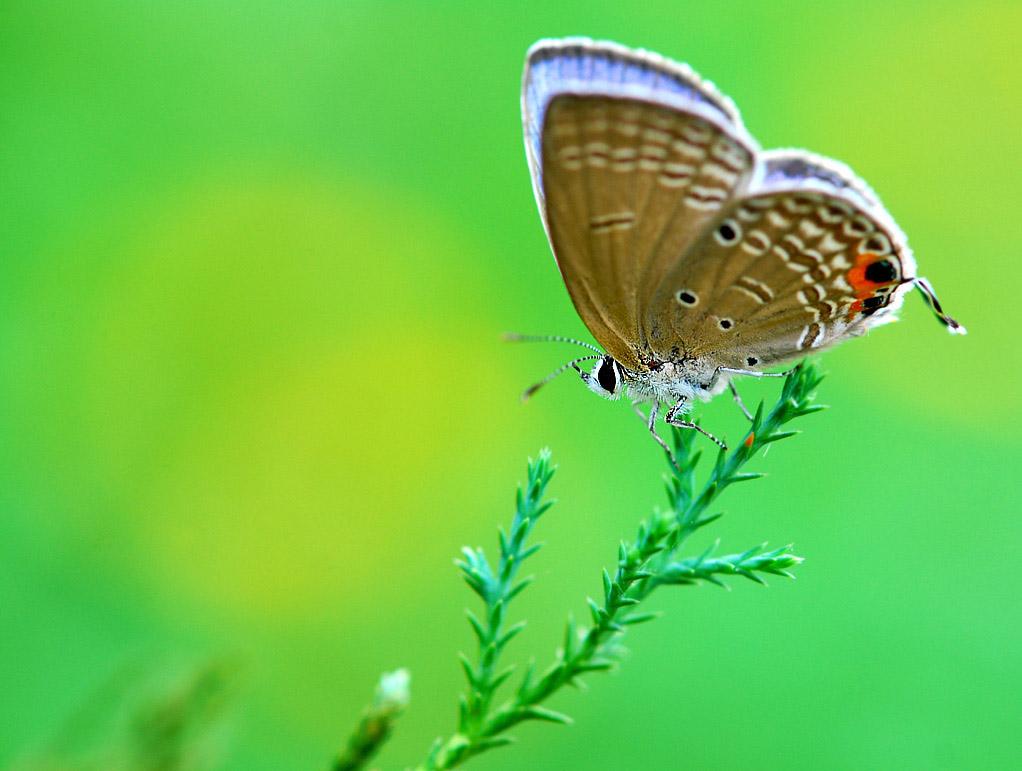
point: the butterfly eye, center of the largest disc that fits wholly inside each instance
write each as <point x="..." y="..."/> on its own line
<point x="606" y="376"/>
<point x="728" y="232"/>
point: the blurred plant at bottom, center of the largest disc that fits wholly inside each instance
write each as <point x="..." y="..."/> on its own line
<point x="145" y="721"/>
<point x="643" y="565"/>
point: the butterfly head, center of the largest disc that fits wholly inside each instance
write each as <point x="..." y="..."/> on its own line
<point x="606" y="378"/>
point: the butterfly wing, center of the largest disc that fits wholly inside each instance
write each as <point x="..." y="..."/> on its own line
<point x="804" y="258"/>
<point x="632" y="156"/>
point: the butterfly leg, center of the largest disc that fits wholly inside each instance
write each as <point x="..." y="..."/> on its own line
<point x="738" y="400"/>
<point x="671" y="419"/>
<point x="650" y="424"/>
<point x="734" y="391"/>
<point x="752" y="373"/>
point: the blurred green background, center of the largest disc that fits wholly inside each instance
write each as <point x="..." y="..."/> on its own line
<point x="256" y="261"/>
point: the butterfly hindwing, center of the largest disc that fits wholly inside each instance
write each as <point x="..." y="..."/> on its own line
<point x="803" y="259"/>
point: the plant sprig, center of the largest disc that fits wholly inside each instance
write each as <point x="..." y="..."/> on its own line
<point x="747" y="564"/>
<point x="690" y="508"/>
<point x="496" y="588"/>
<point x="644" y="564"/>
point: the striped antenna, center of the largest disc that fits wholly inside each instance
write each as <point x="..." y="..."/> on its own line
<point x="530" y="391"/>
<point x="930" y="297"/>
<point x="517" y="338"/>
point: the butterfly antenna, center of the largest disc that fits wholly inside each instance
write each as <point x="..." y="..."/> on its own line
<point x="515" y="337"/>
<point x="530" y="391"/>
<point x="930" y="297"/>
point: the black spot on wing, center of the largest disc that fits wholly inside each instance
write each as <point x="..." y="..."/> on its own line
<point x="880" y="272"/>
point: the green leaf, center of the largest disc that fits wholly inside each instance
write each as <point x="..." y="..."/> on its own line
<point x="527" y="677"/>
<point x="501" y="676"/>
<point x="811" y="408"/>
<point x="489" y="655"/>
<point x="462" y="713"/>
<point x="526" y="553"/>
<point x="517" y="588"/>
<point x="496" y="615"/>
<point x="749" y="552"/>
<point x="594" y="610"/>
<point x="514" y="630"/>
<point x="490" y="742"/>
<point x="778" y="435"/>
<point x="595" y="665"/>
<point x="468" y="669"/>
<point x="542" y="713"/>
<point x="477" y="626"/>
<point x="640" y="618"/>
<point x="570" y="637"/>
<point x="746" y="477"/>
<point x="507" y="569"/>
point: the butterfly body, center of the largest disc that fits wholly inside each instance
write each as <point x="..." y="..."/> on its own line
<point x="691" y="255"/>
<point x="668" y="382"/>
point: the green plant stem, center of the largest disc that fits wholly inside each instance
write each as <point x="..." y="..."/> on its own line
<point x="377" y="722"/>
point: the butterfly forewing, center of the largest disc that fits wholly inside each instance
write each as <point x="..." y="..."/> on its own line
<point x="633" y="156"/>
<point x="628" y="186"/>
<point x="584" y="66"/>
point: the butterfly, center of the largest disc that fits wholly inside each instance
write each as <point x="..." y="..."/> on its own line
<point x="691" y="255"/>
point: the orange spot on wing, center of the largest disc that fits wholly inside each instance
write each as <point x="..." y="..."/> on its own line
<point x="862" y="286"/>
